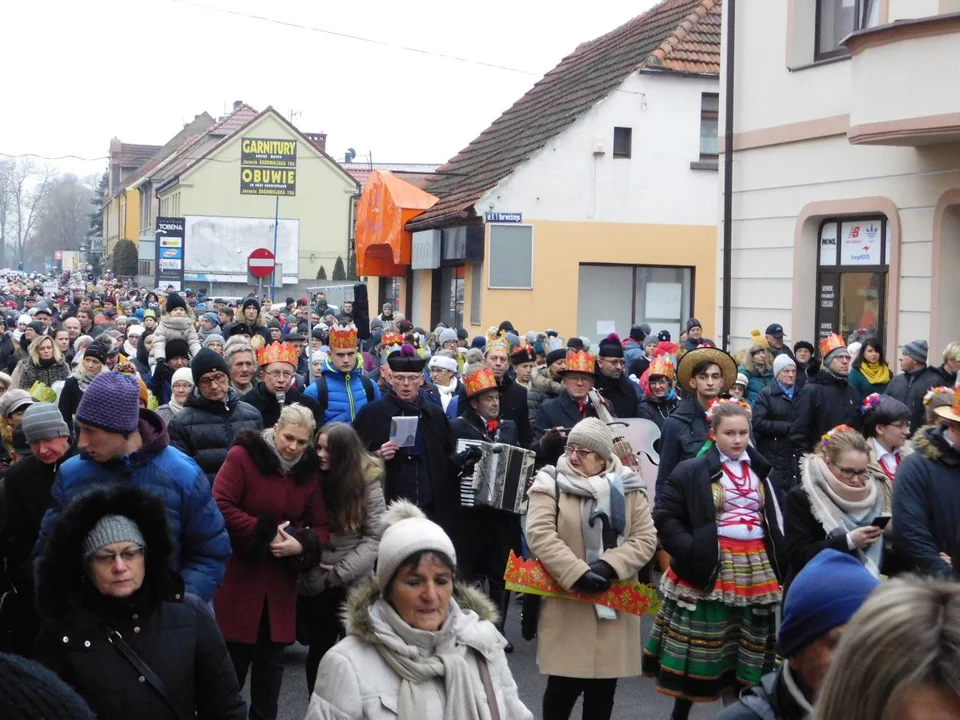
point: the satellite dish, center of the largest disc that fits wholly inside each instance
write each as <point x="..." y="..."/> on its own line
<point x="350" y="155"/>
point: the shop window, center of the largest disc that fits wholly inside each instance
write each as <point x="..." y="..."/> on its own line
<point x="838" y="18"/>
<point x="622" y="142"/>
<point x="511" y="257"/>
<point x="476" y="292"/>
<point x="853" y="277"/>
<point x="709" y="114"/>
<point x="451" y="295"/>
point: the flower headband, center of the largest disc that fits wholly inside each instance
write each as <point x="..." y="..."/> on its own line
<point x="830" y="434"/>
<point x="870" y="402"/>
<point x="724" y="401"/>
<point x="936" y="391"/>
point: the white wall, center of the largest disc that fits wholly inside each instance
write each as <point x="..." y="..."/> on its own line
<point x="566" y="181"/>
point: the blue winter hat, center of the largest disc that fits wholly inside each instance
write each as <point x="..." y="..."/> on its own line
<point x="111" y="402"/>
<point x="825" y="594"/>
<point x="478" y="342"/>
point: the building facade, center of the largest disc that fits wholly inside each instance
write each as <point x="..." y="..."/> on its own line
<point x="846" y="156"/>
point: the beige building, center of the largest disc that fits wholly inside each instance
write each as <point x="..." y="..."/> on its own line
<point x="846" y="169"/>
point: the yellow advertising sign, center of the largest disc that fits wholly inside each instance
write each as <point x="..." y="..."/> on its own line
<point x="268" y="166"/>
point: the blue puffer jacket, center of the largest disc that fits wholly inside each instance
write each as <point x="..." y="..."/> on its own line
<point x="344" y="399"/>
<point x="202" y="546"/>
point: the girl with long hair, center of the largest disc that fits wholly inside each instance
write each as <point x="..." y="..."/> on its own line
<point x="869" y="372"/>
<point x="351" y="480"/>
<point x="758" y="368"/>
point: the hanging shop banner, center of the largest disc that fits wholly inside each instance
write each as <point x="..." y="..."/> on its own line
<point x="169" y="252"/>
<point x="268" y="166"/>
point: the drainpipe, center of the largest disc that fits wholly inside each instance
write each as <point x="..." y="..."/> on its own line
<point x="728" y="171"/>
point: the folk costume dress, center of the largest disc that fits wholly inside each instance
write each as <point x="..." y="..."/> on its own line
<point x="719" y="520"/>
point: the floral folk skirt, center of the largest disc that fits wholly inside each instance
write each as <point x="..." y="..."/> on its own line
<point x="704" y="642"/>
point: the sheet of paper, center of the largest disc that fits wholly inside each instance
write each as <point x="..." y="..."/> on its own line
<point x="403" y="430"/>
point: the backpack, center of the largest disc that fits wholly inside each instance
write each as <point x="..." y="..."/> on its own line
<point x="323" y="394"/>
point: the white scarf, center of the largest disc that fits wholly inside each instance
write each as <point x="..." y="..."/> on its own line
<point x="446" y="392"/>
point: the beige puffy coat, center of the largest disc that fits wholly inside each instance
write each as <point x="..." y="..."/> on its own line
<point x="571" y="640"/>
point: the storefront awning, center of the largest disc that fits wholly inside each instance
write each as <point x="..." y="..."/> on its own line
<point x="385" y="207"/>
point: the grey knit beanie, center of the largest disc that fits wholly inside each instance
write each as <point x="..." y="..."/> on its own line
<point x="447" y="335"/>
<point x="592" y="434"/>
<point x="112" y="529"/>
<point x="43" y="421"/>
<point x="918" y="350"/>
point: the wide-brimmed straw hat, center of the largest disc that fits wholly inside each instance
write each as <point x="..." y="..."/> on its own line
<point x="690" y="360"/>
<point x="951" y="412"/>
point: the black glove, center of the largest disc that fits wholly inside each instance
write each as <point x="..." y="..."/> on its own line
<point x="468" y="457"/>
<point x="603" y="569"/>
<point x="591" y="583"/>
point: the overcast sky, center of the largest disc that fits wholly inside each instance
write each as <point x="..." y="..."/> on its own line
<point x="81" y="72"/>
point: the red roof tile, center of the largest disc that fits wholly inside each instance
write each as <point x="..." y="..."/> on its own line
<point x="674" y="36"/>
<point x="132" y="155"/>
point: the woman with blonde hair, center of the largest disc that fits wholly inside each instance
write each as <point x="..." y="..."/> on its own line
<point x="899" y="657"/>
<point x="5" y="382"/>
<point x="268" y="490"/>
<point x="951" y="364"/>
<point x="44" y="364"/>
<point x="758" y="367"/>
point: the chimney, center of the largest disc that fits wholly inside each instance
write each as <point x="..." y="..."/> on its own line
<point x="237" y="104"/>
<point x="319" y="139"/>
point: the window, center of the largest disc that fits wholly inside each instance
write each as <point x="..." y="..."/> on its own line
<point x="476" y="292"/>
<point x="622" y="142"/>
<point x="709" y="125"/>
<point x="853" y="277"/>
<point x="511" y="257"/>
<point x="838" y="18"/>
<point x="145" y="268"/>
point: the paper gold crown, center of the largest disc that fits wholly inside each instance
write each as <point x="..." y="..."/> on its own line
<point x="498" y="343"/>
<point x="830" y="343"/>
<point x="278" y="352"/>
<point x="580" y="361"/>
<point x="391" y="338"/>
<point x="663" y="366"/>
<point x="480" y="381"/>
<point x="343" y="337"/>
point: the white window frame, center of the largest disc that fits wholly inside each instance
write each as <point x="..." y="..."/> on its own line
<point x="492" y="226"/>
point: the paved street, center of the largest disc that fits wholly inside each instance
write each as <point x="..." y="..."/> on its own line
<point x="636" y="697"/>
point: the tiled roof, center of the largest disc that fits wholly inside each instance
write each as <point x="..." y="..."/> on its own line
<point x="132" y="155"/>
<point x="674" y="36"/>
<point x="417" y="174"/>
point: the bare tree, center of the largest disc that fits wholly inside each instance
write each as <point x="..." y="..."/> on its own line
<point x="64" y="217"/>
<point x="6" y="169"/>
<point x="28" y="185"/>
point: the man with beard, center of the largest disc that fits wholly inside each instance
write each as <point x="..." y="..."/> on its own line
<point x="660" y="397"/>
<point x="613" y="385"/>
<point x="278" y="366"/>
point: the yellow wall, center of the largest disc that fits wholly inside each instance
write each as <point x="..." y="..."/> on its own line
<point x="423" y="280"/>
<point x="322" y="202"/>
<point x="130" y="216"/>
<point x="111" y="224"/>
<point x="560" y="248"/>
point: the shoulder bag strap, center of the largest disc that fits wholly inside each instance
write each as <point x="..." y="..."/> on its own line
<point x="488" y="686"/>
<point x="116" y="639"/>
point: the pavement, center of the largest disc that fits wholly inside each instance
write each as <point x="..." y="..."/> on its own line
<point x="636" y="697"/>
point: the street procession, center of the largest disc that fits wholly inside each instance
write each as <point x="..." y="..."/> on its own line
<point x="643" y="404"/>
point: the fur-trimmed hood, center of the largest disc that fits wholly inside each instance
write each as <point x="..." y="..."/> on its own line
<point x="267" y="461"/>
<point x="478" y="614"/>
<point x="930" y="442"/>
<point x="543" y="383"/>
<point x="61" y="572"/>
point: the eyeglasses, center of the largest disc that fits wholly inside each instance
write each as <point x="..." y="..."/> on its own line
<point x="406" y="379"/>
<point x="213" y="379"/>
<point x="576" y="450"/>
<point x="848" y="473"/>
<point x="279" y="374"/>
<point x="108" y="559"/>
<point x="614" y="361"/>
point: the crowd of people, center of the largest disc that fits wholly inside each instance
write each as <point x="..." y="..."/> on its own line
<point x="189" y="485"/>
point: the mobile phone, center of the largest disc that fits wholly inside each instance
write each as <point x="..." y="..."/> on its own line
<point x="881" y="521"/>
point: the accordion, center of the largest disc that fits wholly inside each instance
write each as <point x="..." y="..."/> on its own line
<point x="500" y="479"/>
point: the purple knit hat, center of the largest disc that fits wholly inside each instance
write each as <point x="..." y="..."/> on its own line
<point x="111" y="402"/>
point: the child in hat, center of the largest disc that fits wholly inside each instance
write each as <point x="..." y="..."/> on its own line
<point x="176" y="323"/>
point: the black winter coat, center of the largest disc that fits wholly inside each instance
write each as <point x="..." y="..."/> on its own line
<point x="8" y="351"/>
<point x="69" y="400"/>
<point x="266" y="403"/>
<point x="926" y="504"/>
<point x="770" y="700"/>
<point x="686" y="518"/>
<point x="470" y="426"/>
<point x="513" y="406"/>
<point x="773" y="412"/>
<point x="823" y="403"/>
<point x="205" y="430"/>
<point x="805" y="535"/>
<point x="373" y="426"/>
<point x="562" y="411"/>
<point x="909" y="388"/>
<point x="656" y="412"/>
<point x="622" y="393"/>
<point x="174" y="633"/>
<point x="682" y="436"/>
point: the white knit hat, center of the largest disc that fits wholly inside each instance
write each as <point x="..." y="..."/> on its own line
<point x="407" y="531"/>
<point x="781" y="363"/>
<point x="183" y="374"/>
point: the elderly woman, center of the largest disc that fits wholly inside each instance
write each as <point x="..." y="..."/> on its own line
<point x="443" y="370"/>
<point x="93" y="362"/>
<point x="588" y="523"/>
<point x="418" y="645"/>
<point x="181" y="386"/>
<point x="45" y="364"/>
<point x="269" y="492"/>
<point x="111" y="608"/>
<point x="772" y="413"/>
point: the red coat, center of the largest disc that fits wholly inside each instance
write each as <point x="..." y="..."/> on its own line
<point x="255" y="496"/>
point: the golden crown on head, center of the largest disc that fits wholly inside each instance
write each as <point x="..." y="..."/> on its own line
<point x="498" y="343"/>
<point x="479" y="381"/>
<point x="662" y="365"/>
<point x="343" y="337"/>
<point x="278" y="352"/>
<point x="830" y="343"/>
<point x="580" y="361"/>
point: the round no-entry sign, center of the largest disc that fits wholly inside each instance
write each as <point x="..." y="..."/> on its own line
<point x="261" y="263"/>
